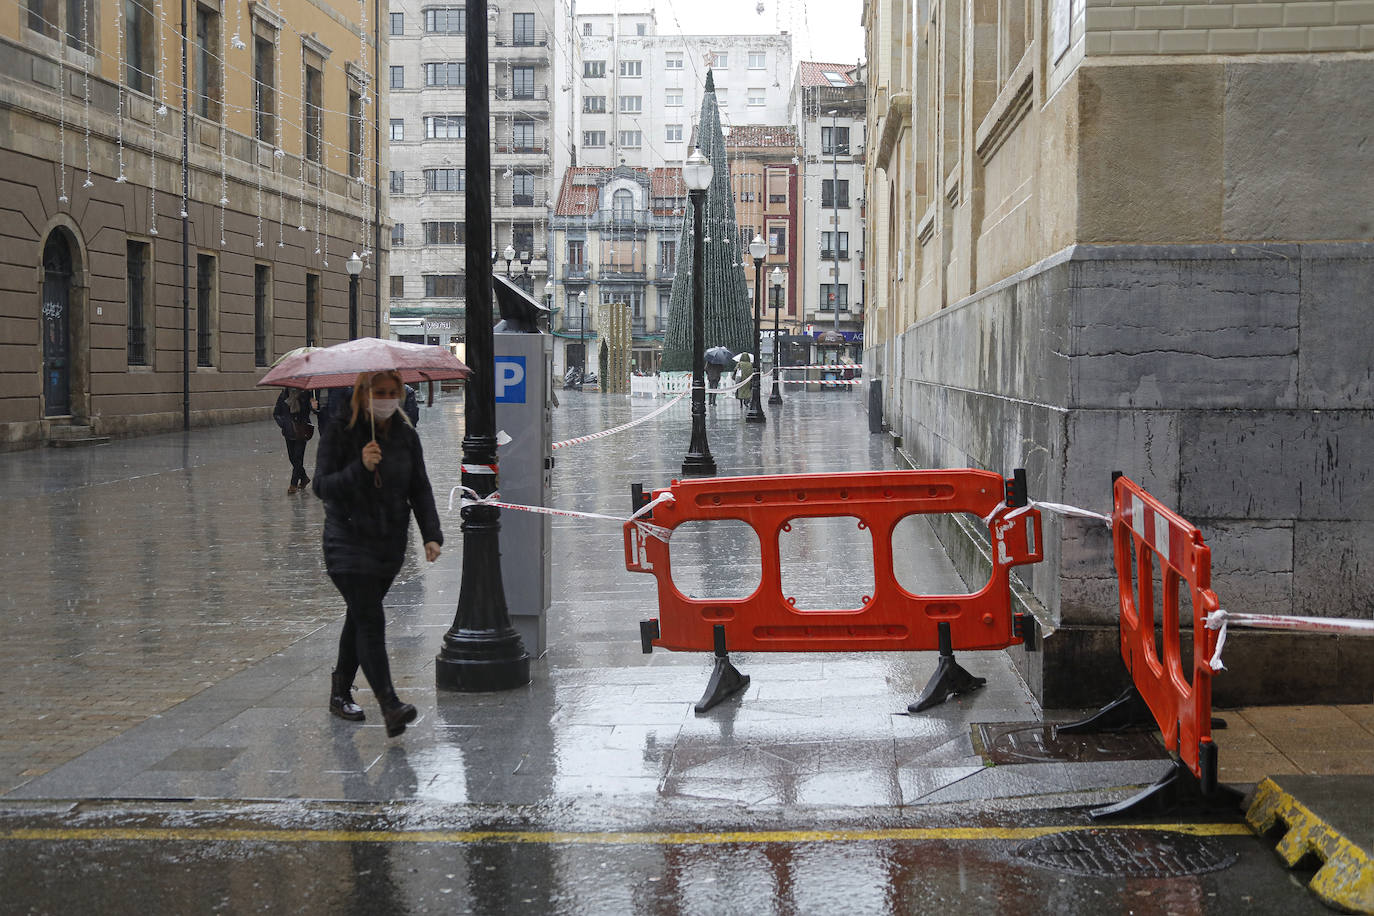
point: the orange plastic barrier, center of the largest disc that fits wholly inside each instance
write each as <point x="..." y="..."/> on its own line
<point x="1178" y="693"/>
<point x="891" y="618"/>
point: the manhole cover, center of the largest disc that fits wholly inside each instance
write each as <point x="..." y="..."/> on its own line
<point x="1127" y="853"/>
<point x="1019" y="742"/>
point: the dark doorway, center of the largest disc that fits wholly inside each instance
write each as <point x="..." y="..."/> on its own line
<point x="57" y="336"/>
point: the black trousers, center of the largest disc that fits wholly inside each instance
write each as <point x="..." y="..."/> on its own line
<point x="363" y="641"/>
<point x="295" y="450"/>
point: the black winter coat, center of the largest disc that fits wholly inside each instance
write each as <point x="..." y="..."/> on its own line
<point x="283" y="416"/>
<point x="365" y="526"/>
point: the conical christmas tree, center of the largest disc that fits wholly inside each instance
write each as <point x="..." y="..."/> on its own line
<point x="727" y="320"/>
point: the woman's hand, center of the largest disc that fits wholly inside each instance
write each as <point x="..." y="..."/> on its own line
<point x="431" y="550"/>
<point x="372" y="455"/>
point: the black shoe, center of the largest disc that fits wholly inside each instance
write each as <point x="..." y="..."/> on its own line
<point x="397" y="716"/>
<point x="341" y="700"/>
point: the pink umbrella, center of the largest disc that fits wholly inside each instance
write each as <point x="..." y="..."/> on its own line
<point x="339" y="365"/>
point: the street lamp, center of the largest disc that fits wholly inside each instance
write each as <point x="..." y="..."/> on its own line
<point x="696" y="173"/>
<point x="758" y="250"/>
<point x="776" y="277"/>
<point x="509" y="255"/>
<point x="354" y="266"/>
<point x="481" y="651"/>
<point x="582" y="335"/>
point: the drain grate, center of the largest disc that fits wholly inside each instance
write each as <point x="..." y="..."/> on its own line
<point x="1019" y="742"/>
<point x="1127" y="853"/>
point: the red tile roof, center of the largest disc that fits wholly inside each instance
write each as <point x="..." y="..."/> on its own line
<point x="762" y="135"/>
<point x="584" y="198"/>
<point x="812" y="73"/>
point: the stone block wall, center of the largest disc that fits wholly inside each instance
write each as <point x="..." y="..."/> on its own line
<point x="1233" y="382"/>
<point x="1141" y="27"/>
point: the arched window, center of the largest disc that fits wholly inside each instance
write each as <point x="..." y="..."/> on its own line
<point x="623" y="206"/>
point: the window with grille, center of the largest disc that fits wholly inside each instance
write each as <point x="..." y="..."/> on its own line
<point x="314" y="114"/>
<point x="828" y="297"/>
<point x="522" y="136"/>
<point x="398" y="286"/>
<point x="398" y="77"/>
<point x="398" y="235"/>
<point x="835" y="193"/>
<point x="593" y="69"/>
<point x="444" y="179"/>
<point x="262" y="313"/>
<point x="445" y="74"/>
<point x="593" y="104"/>
<point x="522" y="189"/>
<point x="138" y="258"/>
<point x="443" y="232"/>
<point x="828" y="243"/>
<point x="207" y="307"/>
<point x="398" y="129"/>
<point x="777" y="240"/>
<point x="398" y="23"/>
<point x="667" y="256"/>
<point x="522" y="29"/>
<point x="835" y="141"/>
<point x="445" y="127"/>
<point x="446" y="20"/>
<point x="623" y="205"/>
<point x="522" y="82"/>
<point x="443" y="286"/>
<point x="398" y="182"/>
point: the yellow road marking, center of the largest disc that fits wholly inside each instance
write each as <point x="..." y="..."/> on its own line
<point x="556" y="838"/>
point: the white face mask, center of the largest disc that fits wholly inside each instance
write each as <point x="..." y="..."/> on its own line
<point x="384" y="407"/>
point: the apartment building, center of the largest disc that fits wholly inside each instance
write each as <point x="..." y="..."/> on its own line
<point x="427" y="176"/>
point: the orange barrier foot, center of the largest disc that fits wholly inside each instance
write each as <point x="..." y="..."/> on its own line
<point x="949" y="680"/>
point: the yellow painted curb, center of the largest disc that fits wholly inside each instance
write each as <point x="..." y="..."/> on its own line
<point x="1346" y="877"/>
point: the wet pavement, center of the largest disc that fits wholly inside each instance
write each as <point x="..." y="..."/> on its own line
<point x="170" y="633"/>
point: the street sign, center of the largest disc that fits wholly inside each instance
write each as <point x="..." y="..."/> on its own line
<point x="510" y="379"/>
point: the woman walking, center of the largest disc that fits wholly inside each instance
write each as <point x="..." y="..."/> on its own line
<point x="371" y="475"/>
<point x="292" y="414"/>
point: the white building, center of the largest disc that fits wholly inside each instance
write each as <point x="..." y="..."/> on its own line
<point x="635" y="93"/>
<point x="828" y="109"/>
<point x="428" y="126"/>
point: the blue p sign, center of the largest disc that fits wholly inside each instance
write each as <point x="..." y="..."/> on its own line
<point x="510" y="379"/>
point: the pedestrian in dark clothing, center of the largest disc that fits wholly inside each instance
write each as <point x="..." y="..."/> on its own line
<point x="713" y="372"/>
<point x="370" y="472"/>
<point x="411" y="407"/>
<point x="338" y="405"/>
<point x="292" y="414"/>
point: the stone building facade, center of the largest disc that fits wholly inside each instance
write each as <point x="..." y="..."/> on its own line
<point x="1139" y="237"/>
<point x="109" y="324"/>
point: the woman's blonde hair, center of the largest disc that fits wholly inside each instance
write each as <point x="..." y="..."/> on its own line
<point x="362" y="391"/>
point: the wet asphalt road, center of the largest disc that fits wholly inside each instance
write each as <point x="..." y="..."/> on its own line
<point x="176" y="567"/>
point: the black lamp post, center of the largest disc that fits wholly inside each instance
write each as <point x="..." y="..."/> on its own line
<point x="697" y="175"/>
<point x="481" y="651"/>
<point x="758" y="250"/>
<point x="582" y="335"/>
<point x="354" y="266"/>
<point x="776" y="276"/>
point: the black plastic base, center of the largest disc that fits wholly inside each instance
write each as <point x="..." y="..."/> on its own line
<point x="726" y="681"/>
<point x="470" y="675"/>
<point x="1127" y="712"/>
<point x="949" y="680"/>
<point x="698" y="466"/>
<point x="1176" y="790"/>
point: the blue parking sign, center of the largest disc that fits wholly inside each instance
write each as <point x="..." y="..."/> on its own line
<point x="510" y="379"/>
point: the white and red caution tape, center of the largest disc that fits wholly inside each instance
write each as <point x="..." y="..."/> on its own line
<point x="648" y="416"/>
<point x="1059" y="508"/>
<point x="855" y="366"/>
<point x="1221" y="618"/>
<point x="470" y="498"/>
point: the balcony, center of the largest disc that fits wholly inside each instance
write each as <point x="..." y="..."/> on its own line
<point x="505" y="100"/>
<point x="612" y="272"/>
<point x="537" y="202"/>
<point x="664" y="273"/>
<point x="522" y="45"/>
<point x="577" y="273"/>
<point x="532" y="153"/>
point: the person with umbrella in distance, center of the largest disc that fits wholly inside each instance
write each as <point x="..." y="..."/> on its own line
<point x="716" y="359"/>
<point x="370" y="472"/>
